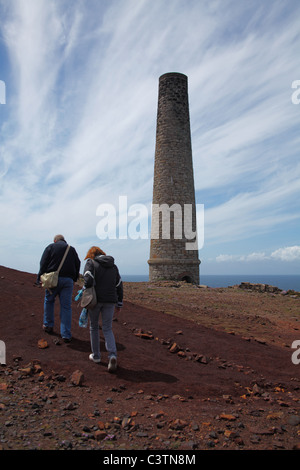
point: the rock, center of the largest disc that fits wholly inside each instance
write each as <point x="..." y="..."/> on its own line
<point x="86" y="429"/>
<point x="60" y="378"/>
<point x="210" y="444"/>
<point x="174" y="348"/>
<point x="202" y="359"/>
<point x="17" y="358"/>
<point x="260" y="341"/>
<point x="77" y="378"/>
<point x="239" y="441"/>
<point x="227" y="417"/>
<point x="160" y="424"/>
<point x="230" y="434"/>
<point x="282" y="403"/>
<point x="254" y="439"/>
<point x="66" y="444"/>
<point x="181" y="354"/>
<point x="275" y="415"/>
<point x="294" y="420"/>
<point x="178" y="424"/>
<point x="263" y="432"/>
<point x="42" y="344"/>
<point x="100" y="435"/>
<point x="189" y="445"/>
<point x="26" y="371"/>
<point x="126" y="422"/>
<point x="70" y="406"/>
<point x="160" y="414"/>
<point x="256" y="390"/>
<point x="259" y="287"/>
<point x="144" y="335"/>
<point x="37" y="368"/>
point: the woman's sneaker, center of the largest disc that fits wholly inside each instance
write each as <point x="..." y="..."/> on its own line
<point x="91" y="357"/>
<point x="112" y="365"/>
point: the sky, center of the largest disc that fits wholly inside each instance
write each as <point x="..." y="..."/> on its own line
<point x="79" y="92"/>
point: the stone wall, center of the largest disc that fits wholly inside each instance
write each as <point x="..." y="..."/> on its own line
<point x="259" y="287"/>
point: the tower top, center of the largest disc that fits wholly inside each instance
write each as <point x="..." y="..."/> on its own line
<point x="173" y="75"/>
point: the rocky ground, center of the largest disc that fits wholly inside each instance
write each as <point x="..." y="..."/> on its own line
<point x="198" y="369"/>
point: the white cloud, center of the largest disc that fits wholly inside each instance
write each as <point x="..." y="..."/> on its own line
<point x="289" y="253"/>
<point x="242" y="258"/>
<point x="226" y="258"/>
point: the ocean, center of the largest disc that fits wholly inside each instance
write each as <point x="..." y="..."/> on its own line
<point x="283" y="281"/>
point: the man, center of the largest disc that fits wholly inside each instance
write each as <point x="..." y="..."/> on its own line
<point x="68" y="274"/>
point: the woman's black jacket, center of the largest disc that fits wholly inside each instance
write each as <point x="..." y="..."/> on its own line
<point x="108" y="282"/>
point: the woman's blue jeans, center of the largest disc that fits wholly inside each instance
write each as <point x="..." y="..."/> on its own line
<point x="64" y="290"/>
<point x="107" y="313"/>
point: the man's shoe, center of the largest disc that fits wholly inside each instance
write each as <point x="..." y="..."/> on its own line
<point x="112" y="365"/>
<point x="67" y="340"/>
<point x="91" y="357"/>
<point x="48" y="329"/>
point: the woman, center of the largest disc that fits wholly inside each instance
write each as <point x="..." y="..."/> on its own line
<point x="101" y="270"/>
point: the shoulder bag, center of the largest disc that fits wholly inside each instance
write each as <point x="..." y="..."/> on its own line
<point x="50" y="280"/>
<point x="89" y="297"/>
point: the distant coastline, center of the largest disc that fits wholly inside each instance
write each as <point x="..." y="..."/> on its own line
<point x="283" y="281"/>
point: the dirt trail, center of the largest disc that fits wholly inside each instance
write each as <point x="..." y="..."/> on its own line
<point x="197" y="369"/>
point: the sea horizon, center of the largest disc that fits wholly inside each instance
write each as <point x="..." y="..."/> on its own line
<point x="282" y="281"/>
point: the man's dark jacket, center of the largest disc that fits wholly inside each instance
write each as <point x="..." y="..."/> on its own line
<point x="52" y="257"/>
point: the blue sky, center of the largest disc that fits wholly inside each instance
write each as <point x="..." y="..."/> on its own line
<point x="77" y="128"/>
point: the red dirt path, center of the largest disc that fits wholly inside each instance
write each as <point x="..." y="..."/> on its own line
<point x="216" y="375"/>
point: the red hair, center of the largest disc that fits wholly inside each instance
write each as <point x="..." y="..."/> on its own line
<point x="93" y="252"/>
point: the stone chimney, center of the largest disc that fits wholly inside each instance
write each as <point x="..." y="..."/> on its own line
<point x="174" y="210"/>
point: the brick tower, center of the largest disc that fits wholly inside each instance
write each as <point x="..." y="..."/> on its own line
<point x="174" y="209"/>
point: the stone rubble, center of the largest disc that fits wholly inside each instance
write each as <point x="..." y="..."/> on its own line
<point x="40" y="411"/>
